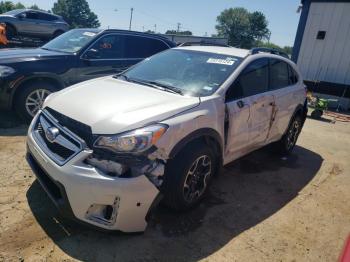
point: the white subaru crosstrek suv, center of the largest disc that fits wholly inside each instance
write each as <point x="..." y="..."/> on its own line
<point x="107" y="150"/>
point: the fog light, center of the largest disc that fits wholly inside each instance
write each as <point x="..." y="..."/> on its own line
<point x="103" y="214"/>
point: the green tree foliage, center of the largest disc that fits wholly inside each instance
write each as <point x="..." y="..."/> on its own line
<point x="241" y="27"/>
<point x="34" y="7"/>
<point x="286" y="49"/>
<point x="6" y="6"/>
<point x="76" y="12"/>
<point x="174" y="32"/>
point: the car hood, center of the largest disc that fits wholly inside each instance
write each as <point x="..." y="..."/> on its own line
<point x="27" y="54"/>
<point x="111" y="106"/>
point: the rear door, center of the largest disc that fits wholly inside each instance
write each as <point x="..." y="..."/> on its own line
<point x="249" y="109"/>
<point x="284" y="84"/>
<point x="47" y="23"/>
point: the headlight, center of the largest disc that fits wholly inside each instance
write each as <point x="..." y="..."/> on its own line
<point x="6" y="71"/>
<point x="135" y="141"/>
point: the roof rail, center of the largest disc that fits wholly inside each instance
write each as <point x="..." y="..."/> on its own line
<point x="273" y="51"/>
<point x="202" y="43"/>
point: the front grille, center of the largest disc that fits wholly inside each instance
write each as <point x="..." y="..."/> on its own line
<point x="62" y="151"/>
<point x="59" y="143"/>
<point x="82" y="130"/>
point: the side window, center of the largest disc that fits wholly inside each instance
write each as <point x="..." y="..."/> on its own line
<point x="155" y="46"/>
<point x="32" y="15"/>
<point x="293" y="76"/>
<point x="253" y="80"/>
<point x="279" y="74"/>
<point x="142" y="47"/>
<point x="110" y="47"/>
<point x="47" y="17"/>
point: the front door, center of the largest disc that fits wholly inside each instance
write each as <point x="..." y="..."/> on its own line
<point x="105" y="57"/>
<point x="31" y="24"/>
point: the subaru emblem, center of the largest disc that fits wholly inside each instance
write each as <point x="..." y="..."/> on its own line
<point x="51" y="134"/>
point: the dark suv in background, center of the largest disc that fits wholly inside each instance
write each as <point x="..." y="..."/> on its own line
<point x="27" y="22"/>
<point x="28" y="76"/>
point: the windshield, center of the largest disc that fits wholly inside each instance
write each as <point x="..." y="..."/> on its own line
<point x="71" y="41"/>
<point x="14" y="12"/>
<point x="192" y="72"/>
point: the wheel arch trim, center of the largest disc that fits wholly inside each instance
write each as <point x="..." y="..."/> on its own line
<point x="41" y="77"/>
<point x="200" y="133"/>
<point x="300" y="109"/>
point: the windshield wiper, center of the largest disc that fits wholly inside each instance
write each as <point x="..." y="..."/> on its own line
<point x="153" y="84"/>
<point x="166" y="87"/>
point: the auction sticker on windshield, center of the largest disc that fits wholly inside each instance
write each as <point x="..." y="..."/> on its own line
<point x="227" y="61"/>
<point x="89" y="33"/>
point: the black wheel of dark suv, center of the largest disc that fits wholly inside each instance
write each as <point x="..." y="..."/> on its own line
<point x="289" y="139"/>
<point x="187" y="176"/>
<point x="31" y="97"/>
<point x="10" y="31"/>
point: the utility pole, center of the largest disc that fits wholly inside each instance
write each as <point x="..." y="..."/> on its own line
<point x="131" y="11"/>
<point x="178" y="27"/>
<point x="155" y="28"/>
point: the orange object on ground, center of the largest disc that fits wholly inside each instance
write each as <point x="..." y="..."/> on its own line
<point x="3" y="38"/>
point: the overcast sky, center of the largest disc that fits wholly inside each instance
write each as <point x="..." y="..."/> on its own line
<point x="199" y="16"/>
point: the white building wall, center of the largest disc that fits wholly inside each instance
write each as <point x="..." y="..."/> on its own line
<point x="329" y="59"/>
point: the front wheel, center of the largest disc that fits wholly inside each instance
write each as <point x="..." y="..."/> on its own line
<point x="187" y="177"/>
<point x="10" y="31"/>
<point x="31" y="98"/>
<point x="289" y="139"/>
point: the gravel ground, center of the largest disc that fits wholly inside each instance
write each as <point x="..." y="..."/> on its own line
<point x="262" y="208"/>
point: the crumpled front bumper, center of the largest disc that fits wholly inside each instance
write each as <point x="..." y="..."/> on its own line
<point x="81" y="191"/>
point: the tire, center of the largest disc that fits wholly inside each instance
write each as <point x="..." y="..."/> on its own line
<point x="317" y="114"/>
<point x="10" y="31"/>
<point x="183" y="187"/>
<point x="287" y="143"/>
<point x="57" y="33"/>
<point x="30" y="98"/>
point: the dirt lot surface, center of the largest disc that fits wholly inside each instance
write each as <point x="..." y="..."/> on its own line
<point x="262" y="208"/>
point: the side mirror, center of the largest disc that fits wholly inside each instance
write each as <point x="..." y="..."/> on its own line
<point x="92" y="54"/>
<point x="22" y="16"/>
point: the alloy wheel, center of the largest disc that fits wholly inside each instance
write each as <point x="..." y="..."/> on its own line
<point x="293" y="133"/>
<point x="197" y="178"/>
<point x="35" y="100"/>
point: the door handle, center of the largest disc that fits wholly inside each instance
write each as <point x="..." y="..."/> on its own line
<point x="240" y="103"/>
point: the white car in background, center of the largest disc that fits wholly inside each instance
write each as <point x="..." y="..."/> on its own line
<point x="107" y="150"/>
